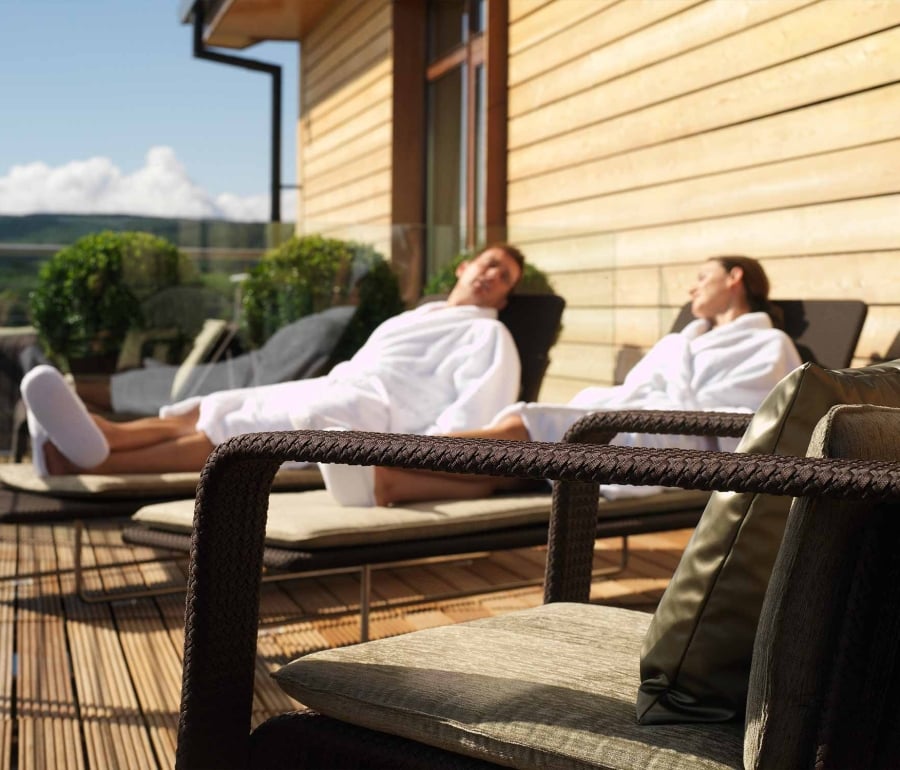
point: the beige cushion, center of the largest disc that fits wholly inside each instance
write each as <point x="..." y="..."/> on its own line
<point x="314" y="520"/>
<point x="131" y="352"/>
<point x="547" y="687"/>
<point x="21" y="476"/>
<point x="204" y="344"/>
<point x="696" y="658"/>
<point x="806" y="602"/>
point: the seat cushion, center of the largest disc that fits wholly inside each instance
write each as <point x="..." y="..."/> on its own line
<point x="314" y="520"/>
<point x="22" y="477"/>
<point x="551" y="686"/>
<point x="696" y="659"/>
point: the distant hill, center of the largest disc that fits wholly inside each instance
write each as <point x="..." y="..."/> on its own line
<point x="185" y="233"/>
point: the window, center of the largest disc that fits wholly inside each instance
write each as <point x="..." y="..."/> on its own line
<point x="464" y="170"/>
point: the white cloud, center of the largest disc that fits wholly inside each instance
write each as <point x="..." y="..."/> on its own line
<point x="161" y="188"/>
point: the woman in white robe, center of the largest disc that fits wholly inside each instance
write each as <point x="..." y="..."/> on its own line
<point x="728" y="359"/>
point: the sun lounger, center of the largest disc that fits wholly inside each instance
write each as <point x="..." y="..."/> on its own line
<point x="377" y="540"/>
<point x="25" y="497"/>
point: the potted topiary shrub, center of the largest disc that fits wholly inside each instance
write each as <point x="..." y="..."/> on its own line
<point x="309" y="273"/>
<point x="89" y="295"/>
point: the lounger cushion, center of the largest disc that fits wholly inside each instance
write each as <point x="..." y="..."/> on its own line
<point x="22" y="477"/>
<point x="521" y="690"/>
<point x="314" y="520"/>
<point x="802" y="621"/>
<point x="696" y="658"/>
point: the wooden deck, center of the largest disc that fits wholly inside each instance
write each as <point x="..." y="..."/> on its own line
<point x="97" y="686"/>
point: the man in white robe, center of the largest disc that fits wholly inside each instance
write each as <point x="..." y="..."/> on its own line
<point x="445" y="366"/>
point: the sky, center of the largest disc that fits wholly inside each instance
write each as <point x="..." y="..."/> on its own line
<point x="104" y="109"/>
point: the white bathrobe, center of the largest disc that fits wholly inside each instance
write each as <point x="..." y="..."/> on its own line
<point x="728" y="368"/>
<point x="435" y="369"/>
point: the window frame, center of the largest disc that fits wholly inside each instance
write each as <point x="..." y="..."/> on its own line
<point x="409" y="185"/>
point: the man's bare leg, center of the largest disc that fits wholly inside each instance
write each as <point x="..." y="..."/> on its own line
<point x="183" y="453"/>
<point x="146" y="431"/>
<point x="402" y="485"/>
<point x="146" y="445"/>
<point x="95" y="392"/>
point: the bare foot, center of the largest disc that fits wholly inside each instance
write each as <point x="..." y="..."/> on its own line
<point x="57" y="463"/>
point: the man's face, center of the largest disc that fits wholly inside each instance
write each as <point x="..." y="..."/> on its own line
<point x="486" y="280"/>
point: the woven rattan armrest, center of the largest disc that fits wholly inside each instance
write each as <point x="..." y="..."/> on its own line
<point x="221" y="613"/>
<point x="600" y="427"/>
<point x="570" y="558"/>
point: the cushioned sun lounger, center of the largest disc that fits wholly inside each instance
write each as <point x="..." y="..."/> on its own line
<point x="385" y="536"/>
<point x="25" y="497"/>
<point x="533" y="321"/>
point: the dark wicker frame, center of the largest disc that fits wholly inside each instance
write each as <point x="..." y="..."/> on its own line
<point x="221" y="616"/>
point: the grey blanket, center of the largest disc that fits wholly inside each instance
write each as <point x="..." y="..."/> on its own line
<point x="294" y="352"/>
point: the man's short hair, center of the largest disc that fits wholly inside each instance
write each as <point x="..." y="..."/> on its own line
<point x="512" y="252"/>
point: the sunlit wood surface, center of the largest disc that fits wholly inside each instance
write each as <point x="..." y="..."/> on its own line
<point x="97" y="686"/>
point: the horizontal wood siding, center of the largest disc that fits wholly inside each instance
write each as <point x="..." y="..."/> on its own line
<point x="647" y="135"/>
<point x="345" y="126"/>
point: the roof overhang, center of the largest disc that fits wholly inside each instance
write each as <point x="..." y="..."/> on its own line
<point x="242" y="23"/>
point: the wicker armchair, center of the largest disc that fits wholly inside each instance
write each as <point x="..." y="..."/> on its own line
<point x="846" y="720"/>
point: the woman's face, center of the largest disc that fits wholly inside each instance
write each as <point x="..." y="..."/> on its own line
<point x="711" y="294"/>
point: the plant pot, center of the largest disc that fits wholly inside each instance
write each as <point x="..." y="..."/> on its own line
<point x="104" y="363"/>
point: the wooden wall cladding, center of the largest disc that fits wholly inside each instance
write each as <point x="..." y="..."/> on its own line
<point x="647" y="135"/>
<point x="345" y="128"/>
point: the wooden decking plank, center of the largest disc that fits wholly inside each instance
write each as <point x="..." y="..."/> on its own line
<point x="424" y="581"/>
<point x="488" y="572"/>
<point x="98" y="686"/>
<point x="155" y="667"/>
<point x="45" y="702"/>
<point x="387" y="586"/>
<point x="314" y="596"/>
<point x="521" y="564"/>
<point x="346" y="589"/>
<point x="121" y="734"/>
<point x="8" y="653"/>
<point x="6" y="733"/>
<point x="465" y="576"/>
<point x="8" y="553"/>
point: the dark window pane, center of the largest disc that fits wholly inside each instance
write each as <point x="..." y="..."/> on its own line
<point x="480" y="147"/>
<point x="479" y="16"/>
<point x="447" y="22"/>
<point x="446" y="169"/>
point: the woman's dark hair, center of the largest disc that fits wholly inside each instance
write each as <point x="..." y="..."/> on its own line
<point x="756" y="286"/>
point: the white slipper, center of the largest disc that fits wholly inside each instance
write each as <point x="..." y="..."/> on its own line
<point x="38" y="439"/>
<point x="350" y="485"/>
<point x="63" y="417"/>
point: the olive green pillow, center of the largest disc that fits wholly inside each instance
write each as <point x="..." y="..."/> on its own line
<point x="695" y="661"/>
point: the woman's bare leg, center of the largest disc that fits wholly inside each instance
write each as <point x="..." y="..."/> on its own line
<point x="402" y="485"/>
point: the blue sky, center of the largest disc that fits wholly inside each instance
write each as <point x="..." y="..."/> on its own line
<point x="105" y="107"/>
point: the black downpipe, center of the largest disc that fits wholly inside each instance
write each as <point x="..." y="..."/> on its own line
<point x="201" y="52"/>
